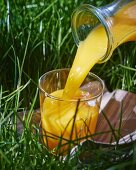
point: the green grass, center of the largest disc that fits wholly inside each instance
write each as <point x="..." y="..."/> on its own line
<point x="34" y="38"/>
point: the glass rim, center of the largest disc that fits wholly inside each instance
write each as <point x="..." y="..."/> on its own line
<point x="67" y="99"/>
<point x="101" y="17"/>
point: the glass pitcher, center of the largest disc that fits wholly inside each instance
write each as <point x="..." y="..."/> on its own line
<point x="118" y="20"/>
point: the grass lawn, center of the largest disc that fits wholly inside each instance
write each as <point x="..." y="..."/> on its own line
<point x="35" y="37"/>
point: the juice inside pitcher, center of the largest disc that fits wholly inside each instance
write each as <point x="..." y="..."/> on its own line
<point x="89" y="52"/>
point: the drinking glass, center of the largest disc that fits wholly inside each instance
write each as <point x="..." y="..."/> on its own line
<point x="66" y="122"/>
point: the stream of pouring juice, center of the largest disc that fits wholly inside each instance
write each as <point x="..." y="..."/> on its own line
<point x="94" y="47"/>
<point x="55" y="117"/>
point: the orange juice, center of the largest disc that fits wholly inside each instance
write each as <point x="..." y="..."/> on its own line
<point x="94" y="47"/>
<point x="88" y="54"/>
<point x="63" y="123"/>
<point x="57" y="116"/>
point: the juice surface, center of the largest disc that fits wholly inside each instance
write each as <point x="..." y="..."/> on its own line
<point x="124" y="24"/>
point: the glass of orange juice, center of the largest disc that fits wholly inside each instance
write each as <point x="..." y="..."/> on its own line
<point x="68" y="121"/>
